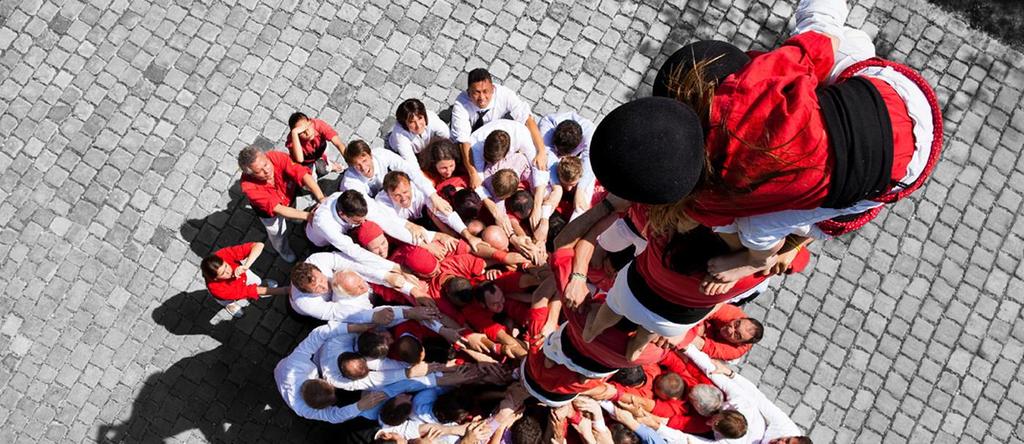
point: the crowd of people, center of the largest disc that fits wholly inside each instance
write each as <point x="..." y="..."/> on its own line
<point x="498" y="278"/>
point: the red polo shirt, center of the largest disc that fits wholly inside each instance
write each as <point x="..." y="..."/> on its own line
<point x="323" y="133"/>
<point x="234" y="288"/>
<point x="287" y="180"/>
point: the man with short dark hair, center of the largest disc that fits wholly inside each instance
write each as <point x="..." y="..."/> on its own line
<point x="367" y="169"/>
<point x="270" y="180"/>
<point x="309" y="396"/>
<point x="343" y="211"/>
<point x="312" y="292"/>
<point x="411" y="204"/>
<point x="484" y="102"/>
<point x="568" y="134"/>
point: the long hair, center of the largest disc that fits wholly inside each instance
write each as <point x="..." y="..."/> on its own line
<point x="696" y="88"/>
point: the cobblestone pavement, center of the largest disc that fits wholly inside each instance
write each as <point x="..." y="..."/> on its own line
<point x="120" y="122"/>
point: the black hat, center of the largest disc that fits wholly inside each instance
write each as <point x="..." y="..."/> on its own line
<point x="650" y="150"/>
<point x="729" y="60"/>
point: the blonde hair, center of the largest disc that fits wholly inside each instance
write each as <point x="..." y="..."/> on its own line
<point x="570" y="169"/>
<point x="504" y="183"/>
<point x="663" y="220"/>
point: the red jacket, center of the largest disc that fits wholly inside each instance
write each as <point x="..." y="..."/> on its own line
<point x="234" y="288"/>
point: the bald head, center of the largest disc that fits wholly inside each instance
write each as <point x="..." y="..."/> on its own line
<point x="495" y="236"/>
<point x="349" y="283"/>
<point x="706" y="399"/>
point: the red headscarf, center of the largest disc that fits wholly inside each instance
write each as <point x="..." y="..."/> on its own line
<point x="367" y="232"/>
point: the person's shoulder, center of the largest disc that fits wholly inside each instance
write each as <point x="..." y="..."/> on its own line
<point x="278" y="157"/>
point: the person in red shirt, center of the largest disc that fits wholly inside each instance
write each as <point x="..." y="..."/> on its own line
<point x="728" y="333"/>
<point x="307" y="143"/>
<point x="444" y="166"/>
<point x="270" y="181"/>
<point x="229" y="280"/>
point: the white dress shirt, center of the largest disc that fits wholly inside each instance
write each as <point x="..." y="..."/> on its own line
<point x="297" y="368"/>
<point x="328" y="228"/>
<point x="465" y="112"/>
<point x="408" y="145"/>
<point x="421" y="203"/>
<point x="422" y="413"/>
<point x="384" y="161"/>
<point x="743" y="396"/>
<point x="520" y="140"/>
<point x="547" y="130"/>
<point x="327" y="358"/>
<point x="323" y="305"/>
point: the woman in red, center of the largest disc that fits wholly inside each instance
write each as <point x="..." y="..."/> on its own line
<point x="229" y="280"/>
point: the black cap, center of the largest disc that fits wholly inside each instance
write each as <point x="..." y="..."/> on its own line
<point x="650" y="150"/>
<point x="729" y="60"/>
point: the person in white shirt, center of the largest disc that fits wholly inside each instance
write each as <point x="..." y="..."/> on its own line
<point x="311" y="290"/>
<point x="504" y="145"/>
<point x="765" y="423"/>
<point x="341" y="212"/>
<point x="484" y="102"/>
<point x="367" y="170"/>
<point x="309" y="396"/>
<point x="411" y="204"/>
<point x="569" y="134"/>
<point x="415" y="126"/>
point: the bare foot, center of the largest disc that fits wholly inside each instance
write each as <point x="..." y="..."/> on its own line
<point x="635" y="346"/>
<point x="712" y="287"/>
<point x="598" y="320"/>
<point x="735" y="266"/>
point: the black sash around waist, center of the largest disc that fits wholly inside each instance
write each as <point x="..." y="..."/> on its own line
<point x="860" y="136"/>
<point x="658" y="305"/>
<point x="570" y="351"/>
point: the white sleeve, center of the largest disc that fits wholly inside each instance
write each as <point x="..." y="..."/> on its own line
<point x="401" y="144"/>
<point x="329" y="228"/>
<point x="700" y="359"/>
<point x="538" y="178"/>
<point x="315" y="306"/>
<point x="385" y="364"/>
<point x="829" y="17"/>
<point x="374" y="379"/>
<point x="477" y="152"/>
<point x="824" y="16"/>
<point x="461" y="126"/>
<point x="525" y="142"/>
<point x="389" y="221"/>
<point x="763" y="231"/>
<point x="676" y="436"/>
<point x="546" y="127"/>
<point x="393" y="162"/>
<point x="779" y="423"/>
<point x="618" y="236"/>
<point x="452" y="219"/>
<point x="350" y="182"/>
<point x="297" y="364"/>
<point x="410" y="429"/>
